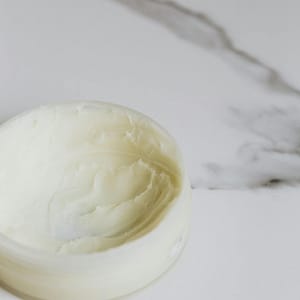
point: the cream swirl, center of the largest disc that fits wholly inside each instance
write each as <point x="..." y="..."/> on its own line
<point x="84" y="178"/>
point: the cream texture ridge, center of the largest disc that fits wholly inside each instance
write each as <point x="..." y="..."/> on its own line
<point x="84" y="177"/>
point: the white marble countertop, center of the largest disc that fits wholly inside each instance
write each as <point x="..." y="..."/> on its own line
<point x="223" y="78"/>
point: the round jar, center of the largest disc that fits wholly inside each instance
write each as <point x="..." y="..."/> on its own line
<point x="94" y="202"/>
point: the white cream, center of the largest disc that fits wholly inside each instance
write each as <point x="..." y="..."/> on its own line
<point x="93" y="179"/>
<point x="82" y="178"/>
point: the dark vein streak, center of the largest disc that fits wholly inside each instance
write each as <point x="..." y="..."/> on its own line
<point x="201" y="30"/>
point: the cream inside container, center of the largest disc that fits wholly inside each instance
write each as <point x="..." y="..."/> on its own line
<point x="94" y="201"/>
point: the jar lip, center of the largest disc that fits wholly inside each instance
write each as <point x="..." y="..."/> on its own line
<point x="92" y="104"/>
<point x="11" y="249"/>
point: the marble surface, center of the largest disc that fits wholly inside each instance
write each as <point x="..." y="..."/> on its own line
<point x="222" y="77"/>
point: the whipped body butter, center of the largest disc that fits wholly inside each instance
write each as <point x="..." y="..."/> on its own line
<point x="94" y="202"/>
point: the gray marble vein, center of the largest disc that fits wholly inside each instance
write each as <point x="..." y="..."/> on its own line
<point x="199" y="29"/>
<point x="272" y="160"/>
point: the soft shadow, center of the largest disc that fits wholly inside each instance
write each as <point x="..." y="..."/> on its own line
<point x="16" y="293"/>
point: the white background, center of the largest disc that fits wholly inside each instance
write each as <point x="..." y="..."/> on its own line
<point x="243" y="243"/>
